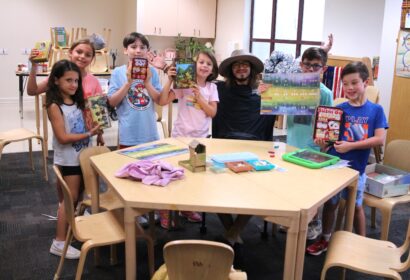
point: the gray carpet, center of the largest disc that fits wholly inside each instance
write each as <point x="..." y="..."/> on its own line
<point x="25" y="235"/>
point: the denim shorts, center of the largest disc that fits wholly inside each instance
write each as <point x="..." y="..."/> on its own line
<point x="359" y="194"/>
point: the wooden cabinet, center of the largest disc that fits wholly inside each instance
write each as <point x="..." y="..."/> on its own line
<point x="157" y="17"/>
<point x="190" y="18"/>
<point x="196" y="18"/>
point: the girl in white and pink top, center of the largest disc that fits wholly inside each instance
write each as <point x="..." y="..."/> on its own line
<point x="196" y="108"/>
<point x="196" y="105"/>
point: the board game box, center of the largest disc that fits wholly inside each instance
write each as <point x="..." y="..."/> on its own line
<point x="139" y="69"/>
<point x="328" y="122"/>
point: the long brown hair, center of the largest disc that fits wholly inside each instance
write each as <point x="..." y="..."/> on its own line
<point x="53" y="94"/>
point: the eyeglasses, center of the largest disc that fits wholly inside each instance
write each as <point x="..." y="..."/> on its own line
<point x="238" y="64"/>
<point x="315" y="66"/>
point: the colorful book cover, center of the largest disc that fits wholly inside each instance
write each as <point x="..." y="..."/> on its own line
<point x="328" y="122"/>
<point x="290" y="94"/>
<point x="139" y="69"/>
<point x="186" y="74"/>
<point x="155" y="151"/>
<point x="96" y="112"/>
<point x="60" y="36"/>
<point x="44" y="49"/>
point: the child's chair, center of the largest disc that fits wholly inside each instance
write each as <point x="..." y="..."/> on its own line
<point x="397" y="155"/>
<point x="199" y="260"/>
<point x="367" y="255"/>
<point x="95" y="230"/>
<point x="21" y="134"/>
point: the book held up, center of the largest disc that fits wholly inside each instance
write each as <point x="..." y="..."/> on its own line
<point x="44" y="51"/>
<point x="96" y="112"/>
<point x="328" y="122"/>
<point x="186" y="74"/>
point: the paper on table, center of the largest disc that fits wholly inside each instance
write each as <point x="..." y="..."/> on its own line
<point x="340" y="164"/>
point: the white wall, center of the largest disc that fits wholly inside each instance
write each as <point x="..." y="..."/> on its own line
<point x="391" y="24"/>
<point x="24" y="22"/>
<point x="356" y="25"/>
<point x="232" y="27"/>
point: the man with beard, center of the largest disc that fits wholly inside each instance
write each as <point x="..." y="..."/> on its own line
<point x="238" y="117"/>
<point x="238" y="114"/>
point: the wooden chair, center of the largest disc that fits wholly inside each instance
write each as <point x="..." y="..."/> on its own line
<point x="95" y="230"/>
<point x="21" y="134"/>
<point x="61" y="52"/>
<point x="198" y="259"/>
<point x="101" y="60"/>
<point x="107" y="200"/>
<point x="161" y="121"/>
<point x="366" y="255"/>
<point x="397" y="155"/>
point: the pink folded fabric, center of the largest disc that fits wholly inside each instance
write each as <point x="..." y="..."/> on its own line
<point x="150" y="172"/>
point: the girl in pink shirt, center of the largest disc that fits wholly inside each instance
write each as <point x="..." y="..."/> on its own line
<point x="196" y="108"/>
<point x="82" y="53"/>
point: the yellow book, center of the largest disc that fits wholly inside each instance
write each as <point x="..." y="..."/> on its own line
<point x="44" y="48"/>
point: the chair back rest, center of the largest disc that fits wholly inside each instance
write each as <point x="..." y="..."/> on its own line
<point x="397" y="154"/>
<point x="68" y="200"/>
<point x="198" y="259"/>
<point x="339" y="100"/>
<point x="91" y="183"/>
<point x="372" y="93"/>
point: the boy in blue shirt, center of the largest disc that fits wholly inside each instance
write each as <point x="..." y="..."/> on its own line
<point x="135" y="101"/>
<point x="364" y="128"/>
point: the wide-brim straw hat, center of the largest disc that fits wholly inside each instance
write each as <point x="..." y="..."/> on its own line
<point x="240" y="55"/>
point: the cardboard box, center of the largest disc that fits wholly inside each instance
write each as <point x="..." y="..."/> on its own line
<point x="395" y="187"/>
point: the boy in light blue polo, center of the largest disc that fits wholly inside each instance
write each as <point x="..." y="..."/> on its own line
<point x="134" y="99"/>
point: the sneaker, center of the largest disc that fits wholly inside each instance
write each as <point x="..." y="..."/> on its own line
<point x="318" y="247"/>
<point x="157" y="217"/>
<point x="314" y="230"/>
<point x="57" y="249"/>
<point x="193" y="217"/>
<point x="283" y="229"/>
<point x="142" y="221"/>
<point x="164" y="218"/>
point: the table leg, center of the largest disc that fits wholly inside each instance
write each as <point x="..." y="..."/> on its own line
<point x="350" y="205"/>
<point x="300" y="255"/>
<point x="21" y="92"/>
<point x="130" y="249"/>
<point x="292" y="223"/>
<point x="291" y="249"/>
<point x="45" y="123"/>
<point x="37" y="112"/>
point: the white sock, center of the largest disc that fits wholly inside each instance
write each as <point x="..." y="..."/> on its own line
<point x="326" y="236"/>
<point x="59" y="244"/>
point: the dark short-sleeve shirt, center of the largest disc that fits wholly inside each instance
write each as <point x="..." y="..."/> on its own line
<point x="238" y="115"/>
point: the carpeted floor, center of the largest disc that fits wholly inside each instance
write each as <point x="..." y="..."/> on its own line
<point x="26" y="234"/>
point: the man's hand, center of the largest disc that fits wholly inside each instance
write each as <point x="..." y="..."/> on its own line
<point x="263" y="87"/>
